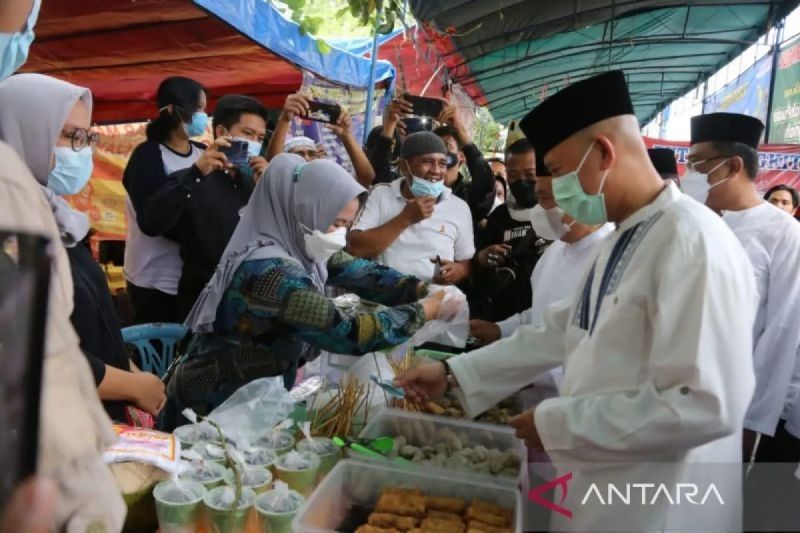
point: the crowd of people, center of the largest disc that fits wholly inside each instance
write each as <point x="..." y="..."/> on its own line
<point x="646" y="315"/>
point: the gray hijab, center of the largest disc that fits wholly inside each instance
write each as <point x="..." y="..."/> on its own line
<point x="33" y="109"/>
<point x="291" y="193"/>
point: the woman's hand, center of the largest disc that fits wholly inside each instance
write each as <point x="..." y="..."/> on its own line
<point x="149" y="393"/>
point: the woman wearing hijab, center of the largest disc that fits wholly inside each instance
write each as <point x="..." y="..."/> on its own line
<point x="57" y="146"/>
<point x="265" y="307"/>
<point x="152" y="262"/>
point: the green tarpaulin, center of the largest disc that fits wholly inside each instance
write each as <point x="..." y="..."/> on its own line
<point x="522" y="51"/>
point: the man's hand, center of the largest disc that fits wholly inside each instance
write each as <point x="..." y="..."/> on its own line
<point x="449" y="115"/>
<point x="150" y="395"/>
<point x="485" y="331"/>
<point x="212" y="159"/>
<point x="424" y="382"/>
<point x="525" y="426"/>
<point x="296" y="105"/>
<point x="490" y="256"/>
<point x="451" y="272"/>
<point x="259" y="166"/>
<point x="432" y="305"/>
<point x="418" y="209"/>
<point x="343" y="125"/>
<point x="394" y="114"/>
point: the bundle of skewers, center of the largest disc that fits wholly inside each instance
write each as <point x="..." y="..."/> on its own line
<point x="399" y="367"/>
<point x="339" y="417"/>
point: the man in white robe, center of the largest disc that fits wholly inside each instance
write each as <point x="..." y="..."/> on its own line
<point x="655" y="345"/>
<point x="723" y="161"/>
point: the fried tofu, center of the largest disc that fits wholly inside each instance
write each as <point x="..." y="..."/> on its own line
<point x="401" y="504"/>
<point x="442" y="526"/>
<point x="448" y="505"/>
<point x="371" y="529"/>
<point x="403" y="523"/>
<point x="444" y="515"/>
<point x="476" y="526"/>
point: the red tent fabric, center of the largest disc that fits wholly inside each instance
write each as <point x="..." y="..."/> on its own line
<point x="122" y="49"/>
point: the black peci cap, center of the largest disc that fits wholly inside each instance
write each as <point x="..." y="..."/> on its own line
<point x="541" y="168"/>
<point x="576" y="107"/>
<point x="727" y="127"/>
<point x="664" y="160"/>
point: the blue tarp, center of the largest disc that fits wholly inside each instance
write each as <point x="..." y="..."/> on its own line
<point x="264" y="24"/>
<point x="360" y="45"/>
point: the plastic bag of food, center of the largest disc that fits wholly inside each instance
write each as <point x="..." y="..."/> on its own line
<point x="297" y="461"/>
<point x="259" y="404"/>
<point x="147" y="446"/>
<point x="191" y="434"/>
<point x="281" y="499"/>
<point x="277" y="439"/>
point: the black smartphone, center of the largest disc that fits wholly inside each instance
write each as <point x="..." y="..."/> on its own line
<point x="415" y="124"/>
<point x="25" y="261"/>
<point x="323" y="112"/>
<point x="424" y="106"/>
<point x="236" y="153"/>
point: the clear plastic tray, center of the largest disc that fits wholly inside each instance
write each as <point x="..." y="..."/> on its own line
<point x="359" y="483"/>
<point x="421" y="429"/>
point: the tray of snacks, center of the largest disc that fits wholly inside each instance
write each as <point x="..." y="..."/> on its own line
<point x="369" y="497"/>
<point x="490" y="452"/>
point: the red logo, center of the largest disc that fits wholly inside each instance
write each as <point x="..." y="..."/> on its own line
<point x="535" y="495"/>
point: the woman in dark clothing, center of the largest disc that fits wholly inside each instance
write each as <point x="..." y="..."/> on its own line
<point x="265" y="308"/>
<point x="152" y="262"/>
<point x="58" y="144"/>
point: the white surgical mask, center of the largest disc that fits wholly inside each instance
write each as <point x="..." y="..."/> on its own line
<point x="321" y="246"/>
<point x="548" y="223"/>
<point x="695" y="183"/>
<point x="519" y="215"/>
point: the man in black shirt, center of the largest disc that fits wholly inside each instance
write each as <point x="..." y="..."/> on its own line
<point x="199" y="207"/>
<point x="501" y="286"/>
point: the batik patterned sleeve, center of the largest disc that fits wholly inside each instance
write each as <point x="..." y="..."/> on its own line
<point x="277" y="297"/>
<point x="374" y="282"/>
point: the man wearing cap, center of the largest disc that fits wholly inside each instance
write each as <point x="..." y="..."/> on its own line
<point x="663" y="160"/>
<point x="721" y="169"/>
<point x="657" y="367"/>
<point x="411" y="222"/>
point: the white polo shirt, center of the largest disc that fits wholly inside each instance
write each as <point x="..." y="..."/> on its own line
<point x="447" y="233"/>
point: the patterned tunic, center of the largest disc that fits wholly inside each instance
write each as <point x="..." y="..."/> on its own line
<point x="272" y="315"/>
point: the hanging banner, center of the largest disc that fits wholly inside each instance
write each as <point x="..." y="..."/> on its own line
<point x="352" y="100"/>
<point x="748" y="94"/>
<point x="785" y="123"/>
<point x="779" y="163"/>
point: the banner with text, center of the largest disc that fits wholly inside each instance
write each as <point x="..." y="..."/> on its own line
<point x="748" y="94"/>
<point x="785" y="123"/>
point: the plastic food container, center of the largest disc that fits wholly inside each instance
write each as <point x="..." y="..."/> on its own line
<point x="274" y="520"/>
<point x="280" y="442"/>
<point x="300" y="479"/>
<point x="219" y="504"/>
<point x="328" y="452"/>
<point x="491" y="448"/>
<point x="178" y="506"/>
<point x="359" y="483"/>
<point x="256" y="478"/>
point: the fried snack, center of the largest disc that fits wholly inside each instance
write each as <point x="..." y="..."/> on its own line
<point x="434" y="408"/>
<point x="442" y="526"/>
<point x="448" y="505"/>
<point x="370" y="529"/>
<point x="402" y="491"/>
<point x="403" y="523"/>
<point x="401" y="504"/>
<point x="474" y="526"/>
<point x="486" y="508"/>
<point x="443" y="515"/>
<point x="474" y="514"/>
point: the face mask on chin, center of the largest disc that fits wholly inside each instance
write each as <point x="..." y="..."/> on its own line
<point x="421" y="187"/>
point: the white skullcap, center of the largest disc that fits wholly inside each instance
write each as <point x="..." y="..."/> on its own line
<point x="299" y="142"/>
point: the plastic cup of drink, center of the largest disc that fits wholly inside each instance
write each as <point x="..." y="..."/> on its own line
<point x="178" y="505"/>
<point x="223" y="518"/>
<point x="274" y="521"/>
<point x="302" y="480"/>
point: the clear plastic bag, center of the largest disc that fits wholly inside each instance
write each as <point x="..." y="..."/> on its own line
<point x="223" y="498"/>
<point x="298" y="461"/>
<point x="276" y="439"/>
<point x="201" y="472"/>
<point x="256" y="456"/>
<point x="281" y="500"/>
<point x="261" y="403"/>
<point x="177" y="491"/>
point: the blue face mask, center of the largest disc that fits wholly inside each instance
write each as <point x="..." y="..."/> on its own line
<point x="14" y="46"/>
<point x="570" y="196"/>
<point x="253" y="148"/>
<point x="421" y="187"/>
<point x="72" y="171"/>
<point x="198" y="124"/>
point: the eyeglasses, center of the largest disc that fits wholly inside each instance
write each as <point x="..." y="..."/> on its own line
<point x="81" y="138"/>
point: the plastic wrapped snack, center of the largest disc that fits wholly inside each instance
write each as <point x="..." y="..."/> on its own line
<point x="259" y="479"/>
<point x="220" y="503"/>
<point x="278" y="440"/>
<point x="178" y="505"/>
<point x="256" y="456"/>
<point x="208" y="473"/>
<point x="191" y="434"/>
<point x="210" y="451"/>
<point x="328" y="452"/>
<point x="277" y="508"/>
<point x="300" y="470"/>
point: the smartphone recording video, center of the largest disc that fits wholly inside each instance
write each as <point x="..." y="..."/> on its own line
<point x="24" y="282"/>
<point x="424" y="106"/>
<point x="323" y="112"/>
<point x="236" y="153"/>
